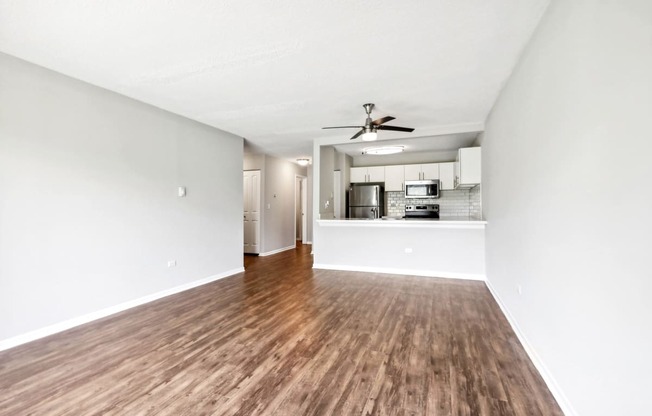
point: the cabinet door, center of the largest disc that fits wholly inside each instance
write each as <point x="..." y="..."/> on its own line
<point x="412" y="172"/>
<point x="470" y="169"/>
<point x="447" y="175"/>
<point x="358" y="175"/>
<point x="394" y="177"/>
<point x="376" y="173"/>
<point x="430" y="171"/>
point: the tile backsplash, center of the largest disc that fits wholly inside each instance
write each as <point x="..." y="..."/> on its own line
<point x="456" y="203"/>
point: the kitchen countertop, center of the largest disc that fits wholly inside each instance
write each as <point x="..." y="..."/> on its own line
<point x="444" y="222"/>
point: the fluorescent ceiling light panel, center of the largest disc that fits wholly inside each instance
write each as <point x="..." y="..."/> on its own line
<point x="386" y="150"/>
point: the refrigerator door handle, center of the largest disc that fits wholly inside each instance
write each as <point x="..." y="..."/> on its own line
<point x="377" y="201"/>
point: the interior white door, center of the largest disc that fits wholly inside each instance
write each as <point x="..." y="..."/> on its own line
<point x="297" y="208"/>
<point x="251" y="199"/>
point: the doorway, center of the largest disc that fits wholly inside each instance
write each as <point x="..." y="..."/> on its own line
<point x="251" y="204"/>
<point x="301" y="208"/>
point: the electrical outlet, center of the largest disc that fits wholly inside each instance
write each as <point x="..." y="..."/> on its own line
<point x="172" y="263"/>
<point x="327" y="204"/>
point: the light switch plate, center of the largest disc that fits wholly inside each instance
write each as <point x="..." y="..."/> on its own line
<point x="182" y="191"/>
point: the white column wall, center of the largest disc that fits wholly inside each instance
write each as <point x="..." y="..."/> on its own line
<point x="566" y="193"/>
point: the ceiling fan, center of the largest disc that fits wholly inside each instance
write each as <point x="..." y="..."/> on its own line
<point x="370" y="129"/>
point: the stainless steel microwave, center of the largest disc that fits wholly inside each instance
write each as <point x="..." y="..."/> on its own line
<point x="422" y="189"/>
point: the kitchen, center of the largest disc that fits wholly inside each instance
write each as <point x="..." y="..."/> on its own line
<point x="447" y="237"/>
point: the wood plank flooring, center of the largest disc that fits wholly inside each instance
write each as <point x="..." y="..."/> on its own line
<point x="282" y="339"/>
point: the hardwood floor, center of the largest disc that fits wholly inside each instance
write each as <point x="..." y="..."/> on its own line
<point x="282" y="339"/>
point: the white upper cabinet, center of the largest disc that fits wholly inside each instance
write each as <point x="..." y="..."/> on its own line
<point x="358" y="175"/>
<point x="368" y="174"/>
<point x="430" y="171"/>
<point x="376" y="173"/>
<point x="422" y="172"/>
<point x="412" y="172"/>
<point x="468" y="168"/>
<point x="463" y="173"/>
<point x="394" y="178"/>
<point x="447" y="176"/>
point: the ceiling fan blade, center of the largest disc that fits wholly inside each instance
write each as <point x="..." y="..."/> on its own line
<point x="343" y="127"/>
<point x="355" y="136"/>
<point x="382" y="120"/>
<point x="395" y="128"/>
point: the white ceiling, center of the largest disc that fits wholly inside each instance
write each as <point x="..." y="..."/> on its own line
<point x="275" y="72"/>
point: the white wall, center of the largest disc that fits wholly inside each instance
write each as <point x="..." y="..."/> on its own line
<point x="566" y="192"/>
<point x="310" y="214"/>
<point x="279" y="203"/>
<point x="89" y="213"/>
<point x="343" y="164"/>
<point x="278" y="193"/>
<point x="326" y="188"/>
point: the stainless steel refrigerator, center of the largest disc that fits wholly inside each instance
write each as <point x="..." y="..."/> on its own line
<point x="366" y="200"/>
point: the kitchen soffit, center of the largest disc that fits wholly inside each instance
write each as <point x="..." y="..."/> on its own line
<point x="275" y="72"/>
<point x="442" y="143"/>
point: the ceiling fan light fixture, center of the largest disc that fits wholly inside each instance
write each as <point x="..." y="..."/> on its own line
<point x="385" y="150"/>
<point x="370" y="128"/>
<point x="303" y="162"/>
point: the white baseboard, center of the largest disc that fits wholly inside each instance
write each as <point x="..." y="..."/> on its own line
<point x="80" y="320"/>
<point x="413" y="272"/>
<point x="269" y="253"/>
<point x="550" y="381"/>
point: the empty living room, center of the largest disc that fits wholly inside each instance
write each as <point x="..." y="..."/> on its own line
<point x="470" y="224"/>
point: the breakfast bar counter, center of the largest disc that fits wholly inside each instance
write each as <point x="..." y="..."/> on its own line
<point x="451" y="247"/>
